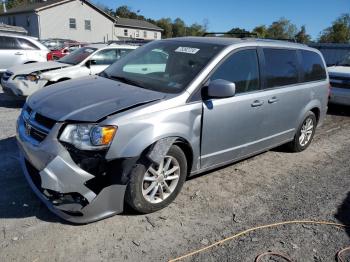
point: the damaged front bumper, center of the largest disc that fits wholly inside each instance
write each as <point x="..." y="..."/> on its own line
<point x="21" y="87"/>
<point x="60" y="183"/>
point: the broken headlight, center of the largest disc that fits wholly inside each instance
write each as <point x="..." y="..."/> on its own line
<point x="88" y="136"/>
<point x="31" y="77"/>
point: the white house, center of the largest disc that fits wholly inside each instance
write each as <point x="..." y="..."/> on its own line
<point x="77" y="20"/>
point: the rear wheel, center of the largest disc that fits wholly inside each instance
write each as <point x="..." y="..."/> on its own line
<point x="305" y="133"/>
<point x="153" y="187"/>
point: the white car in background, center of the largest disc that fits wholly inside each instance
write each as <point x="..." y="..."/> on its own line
<point x="24" y="80"/>
<point x="18" y="49"/>
<point x="339" y="77"/>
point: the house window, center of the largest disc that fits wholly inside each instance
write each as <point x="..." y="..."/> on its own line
<point x="137" y="33"/>
<point x="72" y="23"/>
<point x="125" y="32"/>
<point x="155" y="35"/>
<point x="88" y="25"/>
<point x="145" y="34"/>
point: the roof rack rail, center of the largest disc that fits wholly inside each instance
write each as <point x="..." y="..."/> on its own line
<point x="129" y="42"/>
<point x="248" y="35"/>
<point x="240" y="35"/>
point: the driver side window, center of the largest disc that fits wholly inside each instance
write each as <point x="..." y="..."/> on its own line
<point x="105" y="57"/>
<point x="242" y="69"/>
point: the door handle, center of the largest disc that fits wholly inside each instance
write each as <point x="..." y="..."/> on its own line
<point x="144" y="69"/>
<point x="257" y="103"/>
<point x="19" y="53"/>
<point x="273" y="100"/>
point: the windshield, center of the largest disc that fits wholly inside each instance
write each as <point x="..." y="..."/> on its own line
<point x="77" y="56"/>
<point x="346" y="61"/>
<point x="164" y="66"/>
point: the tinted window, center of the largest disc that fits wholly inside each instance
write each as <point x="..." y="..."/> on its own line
<point x="25" y="44"/>
<point x="77" y="56"/>
<point x="313" y="66"/>
<point x="9" y="43"/>
<point x="281" y="67"/>
<point x="242" y="69"/>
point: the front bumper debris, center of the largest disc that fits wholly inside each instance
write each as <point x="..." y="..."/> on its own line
<point x="23" y="87"/>
<point x="61" y="184"/>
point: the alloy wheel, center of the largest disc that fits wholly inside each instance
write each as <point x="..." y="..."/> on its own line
<point x="159" y="182"/>
<point x="306" y="132"/>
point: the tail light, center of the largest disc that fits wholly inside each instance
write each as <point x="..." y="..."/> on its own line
<point x="49" y="56"/>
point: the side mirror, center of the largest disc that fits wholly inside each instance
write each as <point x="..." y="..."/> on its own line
<point x="219" y="88"/>
<point x="89" y="63"/>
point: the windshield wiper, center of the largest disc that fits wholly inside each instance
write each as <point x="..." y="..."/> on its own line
<point x="345" y="64"/>
<point x="124" y="80"/>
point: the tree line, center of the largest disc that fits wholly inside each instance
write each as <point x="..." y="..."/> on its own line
<point x="337" y="32"/>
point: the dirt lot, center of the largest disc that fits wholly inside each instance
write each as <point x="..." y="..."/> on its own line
<point x="271" y="187"/>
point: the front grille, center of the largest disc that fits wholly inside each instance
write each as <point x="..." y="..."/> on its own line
<point x="340" y="82"/>
<point x="45" y="121"/>
<point x="37" y="135"/>
<point x="6" y="76"/>
<point x="340" y="85"/>
<point x="36" y="126"/>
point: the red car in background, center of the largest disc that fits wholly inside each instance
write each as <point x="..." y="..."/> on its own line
<point x="67" y="49"/>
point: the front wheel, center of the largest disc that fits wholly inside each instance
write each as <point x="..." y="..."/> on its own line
<point x="153" y="187"/>
<point x="305" y="133"/>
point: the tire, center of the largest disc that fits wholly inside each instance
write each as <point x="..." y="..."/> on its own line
<point x="297" y="145"/>
<point x="142" y="178"/>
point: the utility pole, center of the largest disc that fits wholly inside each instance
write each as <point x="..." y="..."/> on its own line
<point x="4" y="5"/>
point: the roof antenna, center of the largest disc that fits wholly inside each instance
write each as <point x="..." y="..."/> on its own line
<point x="4" y="5"/>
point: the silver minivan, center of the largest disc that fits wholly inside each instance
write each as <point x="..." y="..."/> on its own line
<point x="169" y="110"/>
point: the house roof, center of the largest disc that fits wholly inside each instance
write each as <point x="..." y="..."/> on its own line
<point x="12" y="29"/>
<point x="25" y="8"/>
<point x="35" y="7"/>
<point x="135" y="23"/>
<point x="125" y="22"/>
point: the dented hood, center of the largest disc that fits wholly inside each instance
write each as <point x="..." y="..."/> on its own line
<point x="89" y="99"/>
<point x="35" y="67"/>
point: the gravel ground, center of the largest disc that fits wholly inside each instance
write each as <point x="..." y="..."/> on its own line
<point x="271" y="187"/>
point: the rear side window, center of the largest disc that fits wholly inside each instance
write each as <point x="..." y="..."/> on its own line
<point x="313" y="66"/>
<point x="9" y="43"/>
<point x="25" y="44"/>
<point x="281" y="67"/>
<point x="242" y="69"/>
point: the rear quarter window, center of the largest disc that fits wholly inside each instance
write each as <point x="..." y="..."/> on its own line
<point x="27" y="45"/>
<point x="313" y="66"/>
<point x="9" y="43"/>
<point x="281" y="67"/>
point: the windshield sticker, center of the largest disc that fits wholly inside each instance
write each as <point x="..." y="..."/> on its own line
<point x="87" y="50"/>
<point x="187" y="50"/>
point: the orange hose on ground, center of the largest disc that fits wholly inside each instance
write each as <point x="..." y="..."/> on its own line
<point x="258" y="228"/>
